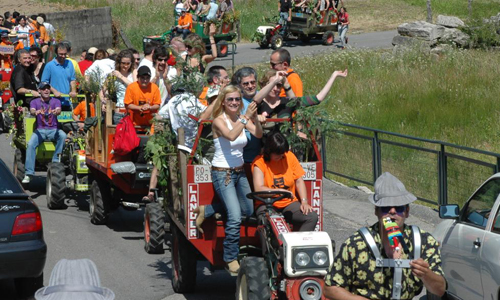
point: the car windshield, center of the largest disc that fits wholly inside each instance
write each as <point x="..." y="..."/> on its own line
<point x="8" y="183"/>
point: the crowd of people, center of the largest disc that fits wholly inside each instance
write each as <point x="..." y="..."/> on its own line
<point x="173" y="82"/>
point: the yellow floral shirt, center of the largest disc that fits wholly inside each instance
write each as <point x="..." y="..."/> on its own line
<point x="354" y="267"/>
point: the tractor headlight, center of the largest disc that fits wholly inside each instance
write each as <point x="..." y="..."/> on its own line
<point x="302" y="259"/>
<point x="320" y="258"/>
<point x="310" y="258"/>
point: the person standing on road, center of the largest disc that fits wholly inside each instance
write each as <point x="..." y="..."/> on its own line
<point x="281" y="61"/>
<point x="285" y="8"/>
<point x="364" y="267"/>
<point x="343" y="26"/>
<point x="45" y="109"/>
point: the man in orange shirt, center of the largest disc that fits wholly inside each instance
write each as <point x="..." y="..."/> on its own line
<point x="280" y="61"/>
<point x="80" y="111"/>
<point x="142" y="98"/>
<point x="185" y="23"/>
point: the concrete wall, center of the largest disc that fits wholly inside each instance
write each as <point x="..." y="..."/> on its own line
<point x="84" y="28"/>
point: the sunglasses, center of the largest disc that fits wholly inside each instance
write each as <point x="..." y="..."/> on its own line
<point x="275" y="64"/>
<point x="162" y="59"/>
<point x="237" y="99"/>
<point x="138" y="59"/>
<point x="248" y="83"/>
<point x="399" y="209"/>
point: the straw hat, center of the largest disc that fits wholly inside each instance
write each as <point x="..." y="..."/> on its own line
<point x="389" y="191"/>
<point x="76" y="280"/>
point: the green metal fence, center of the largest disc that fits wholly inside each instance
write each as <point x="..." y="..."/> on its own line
<point x="436" y="172"/>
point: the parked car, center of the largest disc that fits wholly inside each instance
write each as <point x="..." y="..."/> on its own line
<point x="470" y="244"/>
<point x="22" y="248"/>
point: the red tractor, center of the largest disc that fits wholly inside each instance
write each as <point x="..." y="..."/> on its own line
<point x="275" y="261"/>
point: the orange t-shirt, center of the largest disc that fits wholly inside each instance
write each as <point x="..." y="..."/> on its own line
<point x="187" y="19"/>
<point x="81" y="110"/>
<point x="295" y="83"/>
<point x="136" y="95"/>
<point x="280" y="174"/>
<point x="203" y="96"/>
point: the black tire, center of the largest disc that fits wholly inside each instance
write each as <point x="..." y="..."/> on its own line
<point x="276" y="42"/>
<point x="26" y="287"/>
<point x="253" y="279"/>
<point x="154" y="228"/>
<point x="222" y="49"/>
<point x="264" y="43"/>
<point x="305" y="39"/>
<point x="56" y="186"/>
<point x="328" y="38"/>
<point x="19" y="169"/>
<point x="98" y="209"/>
<point x="184" y="260"/>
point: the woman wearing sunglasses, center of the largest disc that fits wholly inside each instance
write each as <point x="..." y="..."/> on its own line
<point x="196" y="57"/>
<point x="228" y="174"/>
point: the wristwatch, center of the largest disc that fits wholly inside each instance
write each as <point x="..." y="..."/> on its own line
<point x="244" y="121"/>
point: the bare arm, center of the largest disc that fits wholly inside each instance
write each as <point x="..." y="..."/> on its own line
<point x="220" y="129"/>
<point x="209" y="58"/>
<point x="322" y="94"/>
<point x="266" y="89"/>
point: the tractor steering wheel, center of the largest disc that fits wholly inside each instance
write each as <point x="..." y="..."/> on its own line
<point x="269" y="197"/>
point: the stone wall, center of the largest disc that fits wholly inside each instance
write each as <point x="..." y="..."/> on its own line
<point x="85" y="28"/>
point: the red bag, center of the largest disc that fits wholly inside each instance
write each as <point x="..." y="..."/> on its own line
<point x="126" y="138"/>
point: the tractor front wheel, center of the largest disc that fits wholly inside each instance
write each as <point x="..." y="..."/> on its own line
<point x="276" y="42"/>
<point x="98" y="209"/>
<point x="154" y="228"/>
<point x="253" y="279"/>
<point x="55" y="186"/>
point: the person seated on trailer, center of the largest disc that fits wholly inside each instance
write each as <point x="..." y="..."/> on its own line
<point x="23" y="29"/>
<point x="228" y="174"/>
<point x="224" y="7"/>
<point x="149" y="52"/>
<point x="203" y="12"/>
<point x="163" y="73"/>
<point x="178" y="51"/>
<point x="5" y="58"/>
<point x="142" y="98"/>
<point x="217" y="77"/>
<point x="196" y="57"/>
<point x="45" y="109"/>
<point x="80" y="112"/>
<point x="178" y="110"/>
<point x="44" y="38"/>
<point x="123" y="75"/>
<point x="184" y="24"/>
<point x="21" y="81"/>
<point x="365" y="266"/>
<point x="212" y="12"/>
<point x="278" y="169"/>
<point x="88" y="59"/>
<point x="37" y="64"/>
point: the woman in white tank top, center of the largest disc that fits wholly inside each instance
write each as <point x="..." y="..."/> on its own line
<point x="228" y="174"/>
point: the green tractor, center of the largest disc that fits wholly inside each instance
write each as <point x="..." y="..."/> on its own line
<point x="70" y="174"/>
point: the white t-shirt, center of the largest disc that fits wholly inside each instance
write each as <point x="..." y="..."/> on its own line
<point x="101" y="68"/>
<point x="148" y="63"/>
<point x="171" y="73"/>
<point x="178" y="109"/>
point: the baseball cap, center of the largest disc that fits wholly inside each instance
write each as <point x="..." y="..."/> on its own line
<point x="144" y="70"/>
<point x="92" y="50"/>
<point x="43" y="84"/>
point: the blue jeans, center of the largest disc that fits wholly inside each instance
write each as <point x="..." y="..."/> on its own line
<point x="234" y="198"/>
<point x="184" y="32"/>
<point x="342" y="32"/>
<point x="38" y="137"/>
<point x="283" y="21"/>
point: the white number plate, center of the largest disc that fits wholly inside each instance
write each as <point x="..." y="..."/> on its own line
<point x="202" y="174"/>
<point x="310" y="169"/>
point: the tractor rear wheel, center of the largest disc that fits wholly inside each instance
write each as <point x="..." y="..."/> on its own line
<point x="264" y="43"/>
<point x="19" y="168"/>
<point x="276" y="42"/>
<point x="98" y="209"/>
<point x="253" y="279"/>
<point x="55" y="186"/>
<point x="184" y="260"/>
<point x="328" y="38"/>
<point x="222" y="48"/>
<point x="154" y="228"/>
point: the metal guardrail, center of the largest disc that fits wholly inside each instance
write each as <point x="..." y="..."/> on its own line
<point x="434" y="171"/>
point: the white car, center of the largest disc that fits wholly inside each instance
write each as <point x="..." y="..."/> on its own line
<point x="470" y="244"/>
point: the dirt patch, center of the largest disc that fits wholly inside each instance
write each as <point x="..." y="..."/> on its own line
<point x="27" y="7"/>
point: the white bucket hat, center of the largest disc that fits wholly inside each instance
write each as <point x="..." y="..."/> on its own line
<point x="76" y="280"/>
<point x="389" y="191"/>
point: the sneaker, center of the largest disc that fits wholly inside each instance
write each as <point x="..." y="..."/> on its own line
<point x="233" y="267"/>
<point x="26" y="179"/>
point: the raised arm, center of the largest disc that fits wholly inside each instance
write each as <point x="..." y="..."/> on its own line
<point x="208" y="58"/>
<point x="322" y="94"/>
<point x="277" y="79"/>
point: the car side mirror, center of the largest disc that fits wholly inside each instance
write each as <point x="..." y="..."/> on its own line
<point x="449" y="211"/>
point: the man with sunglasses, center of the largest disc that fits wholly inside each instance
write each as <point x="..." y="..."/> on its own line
<point x="368" y="266"/>
<point x="280" y="61"/>
<point x="163" y="73"/>
<point x="45" y="109"/>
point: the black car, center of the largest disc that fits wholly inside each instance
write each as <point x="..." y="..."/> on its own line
<point x="22" y="248"/>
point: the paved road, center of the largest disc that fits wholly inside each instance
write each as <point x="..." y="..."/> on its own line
<point x="251" y="53"/>
<point x="117" y="248"/>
